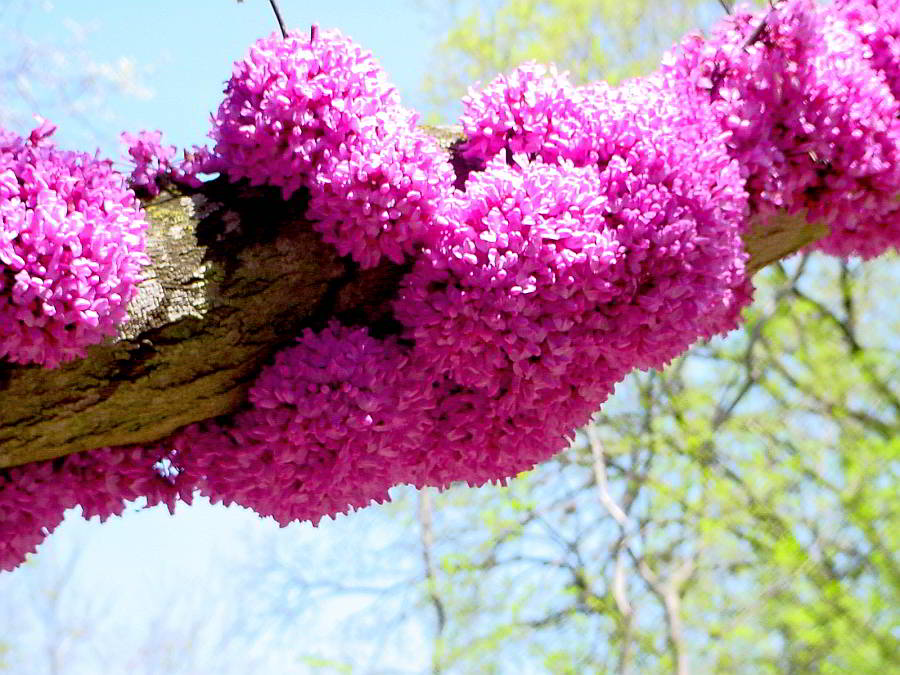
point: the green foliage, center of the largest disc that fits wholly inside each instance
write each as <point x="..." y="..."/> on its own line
<point x="601" y="39"/>
<point x="324" y="666"/>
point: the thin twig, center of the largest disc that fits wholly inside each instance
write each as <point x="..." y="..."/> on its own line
<point x="620" y="581"/>
<point x="278" y="17"/>
<point x="426" y="534"/>
<point x="669" y="592"/>
<point x="602" y="485"/>
<point x="757" y="34"/>
<point x="726" y="5"/>
<point x="620" y="585"/>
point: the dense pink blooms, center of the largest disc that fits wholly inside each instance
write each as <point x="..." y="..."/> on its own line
<point x="381" y="194"/>
<point x="534" y="110"/>
<point x="292" y="100"/>
<point x="332" y="424"/>
<point x="71" y="249"/>
<point x="31" y="506"/>
<point x="156" y="165"/>
<point x="318" y="112"/>
<point x="813" y="125"/>
<point x="877" y="24"/>
<point x="552" y="282"/>
<point x="627" y="261"/>
<point x="497" y="304"/>
<point x="480" y="438"/>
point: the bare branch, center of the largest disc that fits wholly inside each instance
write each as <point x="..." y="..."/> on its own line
<point x="602" y="482"/>
<point x="669" y="592"/>
<point x="284" y="32"/>
<point x="236" y="274"/>
<point x="620" y="578"/>
<point x="426" y="534"/>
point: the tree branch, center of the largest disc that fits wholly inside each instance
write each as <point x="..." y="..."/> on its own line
<point x="426" y="537"/>
<point x="236" y="274"/>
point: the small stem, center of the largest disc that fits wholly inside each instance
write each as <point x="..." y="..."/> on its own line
<point x="427" y="538"/>
<point x="757" y="33"/>
<point x="726" y="5"/>
<point x="278" y="17"/>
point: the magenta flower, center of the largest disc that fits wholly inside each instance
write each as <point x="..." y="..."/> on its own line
<point x="480" y="438"/>
<point x="292" y="100"/>
<point x="813" y="124"/>
<point x="877" y="24"/>
<point x="627" y="262"/>
<point x="534" y="110"/>
<point x="30" y="508"/>
<point x="332" y="424"/>
<point x="34" y="497"/>
<point x="71" y="250"/>
<point x="381" y="194"/>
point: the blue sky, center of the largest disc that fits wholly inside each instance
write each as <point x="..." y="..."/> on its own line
<point x="181" y="52"/>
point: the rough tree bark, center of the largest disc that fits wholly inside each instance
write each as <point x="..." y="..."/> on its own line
<point x="236" y="274"/>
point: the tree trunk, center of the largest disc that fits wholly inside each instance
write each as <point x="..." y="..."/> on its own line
<point x="236" y="274"/>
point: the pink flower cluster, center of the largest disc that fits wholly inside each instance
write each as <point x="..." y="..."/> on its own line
<point x="71" y="249"/>
<point x="292" y="102"/>
<point x="155" y="164"/>
<point x="534" y="110"/>
<point x="480" y="438"/>
<point x="814" y="125"/>
<point x="317" y="112"/>
<point x="382" y="194"/>
<point x="332" y="424"/>
<point x="588" y="231"/>
<point x="666" y="200"/>
<point x="877" y="24"/>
